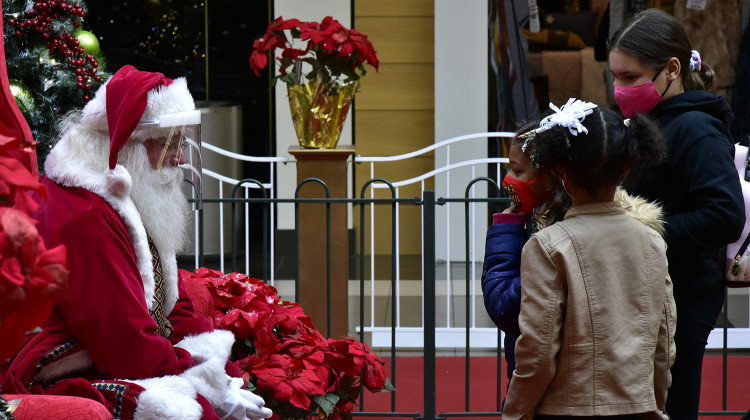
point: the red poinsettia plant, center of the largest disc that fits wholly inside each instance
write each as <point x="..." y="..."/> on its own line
<point x="282" y="356"/>
<point x="336" y="55"/>
<point x="32" y="277"/>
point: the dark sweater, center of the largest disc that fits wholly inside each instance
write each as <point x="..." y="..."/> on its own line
<point x="698" y="188"/>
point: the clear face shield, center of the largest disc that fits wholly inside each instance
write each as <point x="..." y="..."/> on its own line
<point x="175" y="140"/>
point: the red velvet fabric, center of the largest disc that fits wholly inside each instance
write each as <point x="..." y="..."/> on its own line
<point x="12" y="123"/>
<point x="104" y="309"/>
<point x="45" y="407"/>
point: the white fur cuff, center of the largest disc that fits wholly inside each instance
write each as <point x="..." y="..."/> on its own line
<point x="215" y="344"/>
<point x="168" y="397"/>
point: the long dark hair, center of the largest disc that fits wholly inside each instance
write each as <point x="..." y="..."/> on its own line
<point x="600" y="157"/>
<point x="653" y="37"/>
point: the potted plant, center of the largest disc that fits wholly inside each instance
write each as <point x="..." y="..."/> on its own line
<point x="321" y="64"/>
<point x="299" y="373"/>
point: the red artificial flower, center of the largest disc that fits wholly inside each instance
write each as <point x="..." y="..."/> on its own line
<point x="15" y="181"/>
<point x="32" y="278"/>
<point x="335" y="54"/>
<point x="280" y="24"/>
<point x="239" y="322"/>
<point x="289" y="361"/>
<point x="288" y="378"/>
<point x="258" y="61"/>
<point x="364" y="49"/>
<point x="353" y="358"/>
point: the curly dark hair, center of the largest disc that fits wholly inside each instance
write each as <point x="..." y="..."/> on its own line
<point x="603" y="155"/>
<point x="553" y="210"/>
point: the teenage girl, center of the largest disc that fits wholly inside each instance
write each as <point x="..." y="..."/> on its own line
<point x="597" y="313"/>
<point x="657" y="73"/>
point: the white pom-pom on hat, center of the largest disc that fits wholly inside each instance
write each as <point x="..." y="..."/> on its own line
<point x="119" y="182"/>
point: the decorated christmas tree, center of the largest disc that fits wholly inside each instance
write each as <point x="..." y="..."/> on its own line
<point x="54" y="65"/>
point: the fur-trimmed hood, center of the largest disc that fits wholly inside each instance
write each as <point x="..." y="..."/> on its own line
<point x="646" y="212"/>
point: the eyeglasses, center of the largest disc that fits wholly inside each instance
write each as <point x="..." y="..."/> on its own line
<point x="173" y="145"/>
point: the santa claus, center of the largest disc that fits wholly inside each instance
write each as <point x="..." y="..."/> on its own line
<point x="126" y="333"/>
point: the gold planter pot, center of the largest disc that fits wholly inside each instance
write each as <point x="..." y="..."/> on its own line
<point x="319" y="114"/>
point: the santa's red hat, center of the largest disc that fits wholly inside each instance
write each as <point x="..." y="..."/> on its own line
<point x="129" y="97"/>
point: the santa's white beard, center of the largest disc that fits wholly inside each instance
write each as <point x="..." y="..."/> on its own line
<point x="158" y="196"/>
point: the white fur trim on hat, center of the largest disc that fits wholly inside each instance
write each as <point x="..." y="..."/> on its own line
<point x="94" y="114"/>
<point x="169" y="100"/>
<point x="163" y="100"/>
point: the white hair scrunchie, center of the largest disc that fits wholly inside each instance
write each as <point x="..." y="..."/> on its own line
<point x="569" y="115"/>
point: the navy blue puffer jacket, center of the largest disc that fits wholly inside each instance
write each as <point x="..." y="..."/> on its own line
<point x="501" y="282"/>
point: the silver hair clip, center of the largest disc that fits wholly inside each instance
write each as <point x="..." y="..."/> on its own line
<point x="528" y="141"/>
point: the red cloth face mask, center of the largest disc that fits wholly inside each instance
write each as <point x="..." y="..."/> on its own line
<point x="638" y="99"/>
<point x="520" y="192"/>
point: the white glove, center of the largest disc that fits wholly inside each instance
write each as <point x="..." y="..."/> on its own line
<point x="241" y="404"/>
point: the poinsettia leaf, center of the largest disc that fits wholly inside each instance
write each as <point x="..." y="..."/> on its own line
<point x="299" y="399"/>
<point x="326" y="402"/>
<point x="388" y="386"/>
<point x="285" y="62"/>
<point x="288" y="79"/>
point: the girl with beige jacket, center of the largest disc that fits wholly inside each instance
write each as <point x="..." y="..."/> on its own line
<point x="597" y="312"/>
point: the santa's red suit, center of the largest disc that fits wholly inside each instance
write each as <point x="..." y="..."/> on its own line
<point x="126" y="333"/>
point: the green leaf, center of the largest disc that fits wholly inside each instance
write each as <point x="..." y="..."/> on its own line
<point x="326" y="402"/>
<point x="289" y="79"/>
<point x="251" y="386"/>
<point x="388" y="386"/>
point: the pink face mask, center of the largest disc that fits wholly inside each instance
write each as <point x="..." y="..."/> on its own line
<point x="638" y="99"/>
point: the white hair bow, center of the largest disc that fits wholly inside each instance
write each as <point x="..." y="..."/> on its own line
<point x="569" y="115"/>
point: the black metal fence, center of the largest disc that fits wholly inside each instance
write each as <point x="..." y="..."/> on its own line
<point x="428" y="203"/>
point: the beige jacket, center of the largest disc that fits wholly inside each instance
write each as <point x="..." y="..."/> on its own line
<point x="597" y="317"/>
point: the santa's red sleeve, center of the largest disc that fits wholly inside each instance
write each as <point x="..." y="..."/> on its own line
<point x="105" y="307"/>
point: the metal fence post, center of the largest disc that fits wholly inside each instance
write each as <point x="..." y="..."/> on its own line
<point x="428" y="239"/>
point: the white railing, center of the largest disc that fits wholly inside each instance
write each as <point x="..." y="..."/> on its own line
<point x="482" y="334"/>
<point x="218" y="183"/>
<point x="447" y="336"/>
